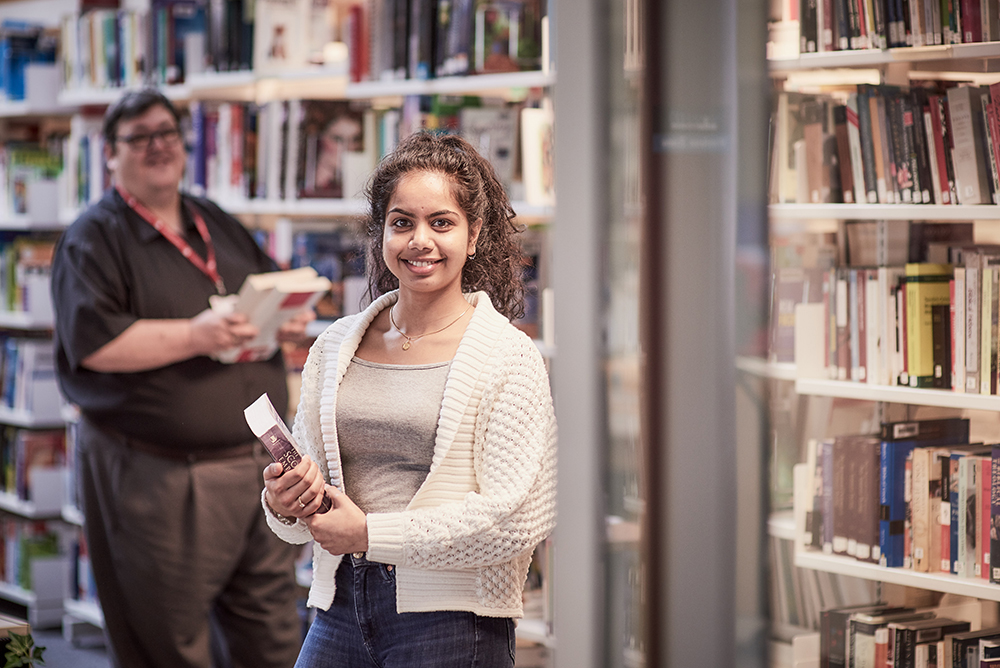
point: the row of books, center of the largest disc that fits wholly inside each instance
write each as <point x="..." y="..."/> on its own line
<point x="105" y="47"/>
<point x="28" y="383"/>
<point x="897" y="636"/>
<point x="917" y="495"/>
<point x="838" y="25"/>
<point x="920" y="324"/>
<point x="21" y="43"/>
<point x="25" y="452"/>
<point x="83" y="588"/>
<point x="23" y="164"/>
<point x="322" y="148"/>
<point x="23" y="543"/>
<point x="930" y="144"/>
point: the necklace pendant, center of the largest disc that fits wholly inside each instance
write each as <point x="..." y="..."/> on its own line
<point x="406" y="345"/>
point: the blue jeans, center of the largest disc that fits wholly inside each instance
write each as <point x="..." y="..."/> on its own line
<point x="363" y="630"/>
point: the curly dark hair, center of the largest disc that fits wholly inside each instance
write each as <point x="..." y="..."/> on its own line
<point x="497" y="266"/>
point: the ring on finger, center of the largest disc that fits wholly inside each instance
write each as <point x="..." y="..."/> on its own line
<point x="301" y="505"/>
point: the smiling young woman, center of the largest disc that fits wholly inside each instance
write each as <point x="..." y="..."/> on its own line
<point x="428" y="420"/>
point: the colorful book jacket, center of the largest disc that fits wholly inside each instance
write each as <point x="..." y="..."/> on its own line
<point x="898" y="441"/>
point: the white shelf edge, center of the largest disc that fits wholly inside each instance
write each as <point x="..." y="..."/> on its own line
<point x="248" y="84"/>
<point x="293" y="207"/>
<point x="11" y="592"/>
<point x="20" y="418"/>
<point x="937" y="212"/>
<point x="781" y="524"/>
<point x="336" y="207"/>
<point x="21" y="222"/>
<point x="72" y="515"/>
<point x="19" y="108"/>
<point x="11" y="503"/>
<point x="950" y="584"/>
<point x="473" y="83"/>
<point x="899" y="395"/>
<point x="20" y="320"/>
<point x="84" y="611"/>
<point x="534" y="630"/>
<point x="757" y="366"/>
<point x="80" y="97"/>
<point x="876" y="57"/>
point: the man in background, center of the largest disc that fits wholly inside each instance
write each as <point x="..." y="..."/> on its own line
<point x="169" y="472"/>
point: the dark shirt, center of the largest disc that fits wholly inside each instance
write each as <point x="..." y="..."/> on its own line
<point x="112" y="268"/>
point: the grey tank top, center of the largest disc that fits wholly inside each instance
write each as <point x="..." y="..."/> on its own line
<point x="386" y="422"/>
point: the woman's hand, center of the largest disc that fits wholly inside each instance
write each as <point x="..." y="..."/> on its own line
<point x="295" y="493"/>
<point x="343" y="528"/>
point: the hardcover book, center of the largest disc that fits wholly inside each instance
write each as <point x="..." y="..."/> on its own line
<point x="833" y="631"/>
<point x="965" y="110"/>
<point x="898" y="441"/>
<point x="271" y="430"/>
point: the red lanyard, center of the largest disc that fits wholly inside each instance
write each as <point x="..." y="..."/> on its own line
<point x="209" y="268"/>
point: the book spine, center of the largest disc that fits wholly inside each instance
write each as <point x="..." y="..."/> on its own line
<point x="958" y="331"/>
<point x="994" y="534"/>
<point x="867" y="144"/>
<point x="970" y="168"/>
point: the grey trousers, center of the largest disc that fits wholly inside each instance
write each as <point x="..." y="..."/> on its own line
<point x="173" y="543"/>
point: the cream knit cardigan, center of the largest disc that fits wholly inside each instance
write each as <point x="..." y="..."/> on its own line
<point x="465" y="540"/>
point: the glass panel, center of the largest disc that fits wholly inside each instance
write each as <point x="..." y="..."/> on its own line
<point x="625" y="493"/>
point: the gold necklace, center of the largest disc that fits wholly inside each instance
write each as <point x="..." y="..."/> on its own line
<point x="410" y="339"/>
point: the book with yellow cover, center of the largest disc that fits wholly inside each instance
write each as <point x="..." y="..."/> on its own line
<point x="927" y="287"/>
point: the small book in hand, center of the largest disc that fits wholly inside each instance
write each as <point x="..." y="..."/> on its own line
<point x="274" y="434"/>
<point x="269" y="301"/>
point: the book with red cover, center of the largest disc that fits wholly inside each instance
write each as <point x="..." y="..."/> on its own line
<point x="275" y="436"/>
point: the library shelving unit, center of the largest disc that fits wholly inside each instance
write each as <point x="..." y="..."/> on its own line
<point x="965" y="62"/>
<point x="42" y="603"/>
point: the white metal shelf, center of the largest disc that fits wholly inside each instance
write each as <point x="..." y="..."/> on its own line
<point x="936" y="212"/>
<point x="943" y="582"/>
<point x="21" y="320"/>
<point x="25" y="109"/>
<point x="10" y="503"/>
<point x="897" y="394"/>
<point x="877" y="57"/>
<point x="22" y="222"/>
<point x="534" y="630"/>
<point x="781" y="524"/>
<point x="84" y="611"/>
<point x="757" y="366"/>
<point x="337" y="208"/>
<point x="22" y="418"/>
<point x="319" y="83"/>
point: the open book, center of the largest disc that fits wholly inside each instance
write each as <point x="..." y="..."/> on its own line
<point x="269" y="301"/>
<point x="274" y="434"/>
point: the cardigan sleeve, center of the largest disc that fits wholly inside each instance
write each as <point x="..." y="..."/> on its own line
<point x="307" y="434"/>
<point x="515" y="460"/>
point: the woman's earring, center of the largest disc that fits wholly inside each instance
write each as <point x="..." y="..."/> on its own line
<point x="472" y="257"/>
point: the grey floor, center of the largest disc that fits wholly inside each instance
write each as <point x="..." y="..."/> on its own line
<point x="61" y="653"/>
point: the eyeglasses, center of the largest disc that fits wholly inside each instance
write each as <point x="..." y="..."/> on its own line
<point x="141" y="141"/>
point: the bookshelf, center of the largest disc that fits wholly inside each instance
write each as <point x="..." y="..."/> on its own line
<point x="973" y="64"/>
